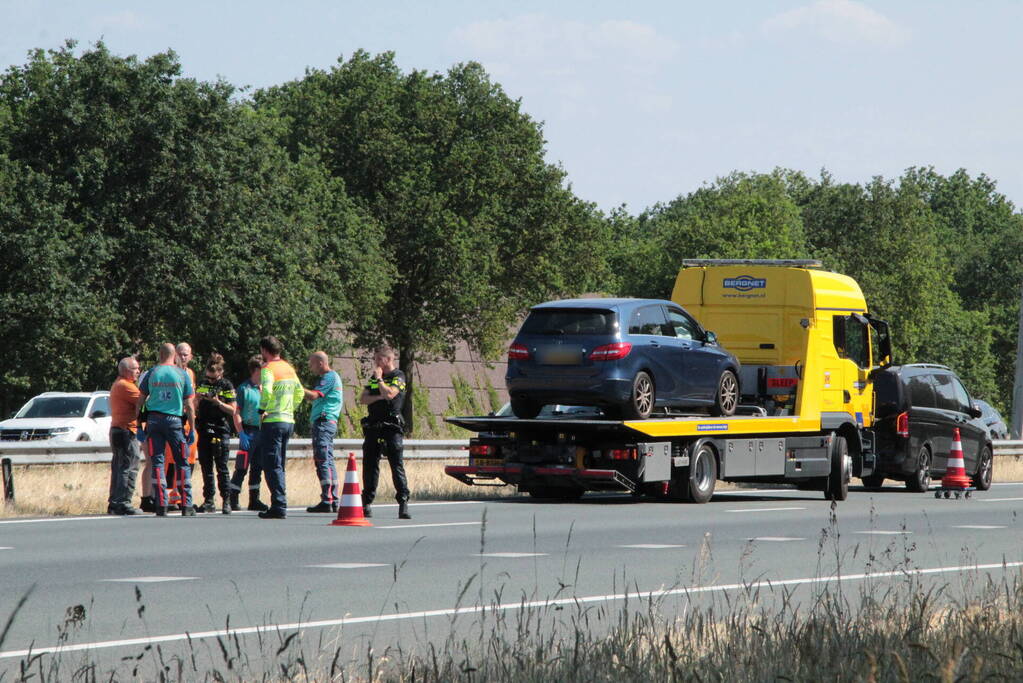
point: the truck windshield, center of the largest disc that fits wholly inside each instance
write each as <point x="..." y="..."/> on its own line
<point x="573" y="321"/>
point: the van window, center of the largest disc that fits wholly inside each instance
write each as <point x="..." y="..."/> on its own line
<point x="852" y="340"/>
<point x="569" y="321"/>
<point x="886" y="393"/>
<point x="101" y="404"/>
<point x="921" y="391"/>
<point x="683" y="325"/>
<point x="946" y="394"/>
<point x="648" y="320"/>
<point x="962" y="396"/>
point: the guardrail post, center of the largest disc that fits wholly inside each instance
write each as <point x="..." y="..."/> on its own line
<point x="8" y="476"/>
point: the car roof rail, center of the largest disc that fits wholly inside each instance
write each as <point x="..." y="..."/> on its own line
<point x="785" y="263"/>
<point x="927" y="365"/>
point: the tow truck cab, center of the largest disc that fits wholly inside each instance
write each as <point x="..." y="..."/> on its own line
<point x="807" y="345"/>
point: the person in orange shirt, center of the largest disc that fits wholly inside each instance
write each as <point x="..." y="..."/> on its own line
<point x="124" y="461"/>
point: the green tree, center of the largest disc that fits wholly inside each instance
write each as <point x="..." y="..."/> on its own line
<point x="478" y="225"/>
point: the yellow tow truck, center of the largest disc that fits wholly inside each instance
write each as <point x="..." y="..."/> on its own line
<point x="808" y="346"/>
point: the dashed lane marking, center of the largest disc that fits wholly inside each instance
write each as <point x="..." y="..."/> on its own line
<point x="57" y="519"/>
<point x="775" y="539"/>
<point x="513" y="555"/>
<point x="651" y="546"/>
<point x="996" y="500"/>
<point x="345" y="565"/>
<point x="422" y="526"/>
<point x="885" y="532"/>
<point x="763" y="509"/>
<point x="687" y="591"/>
<point x="152" y="579"/>
<point x="978" y="526"/>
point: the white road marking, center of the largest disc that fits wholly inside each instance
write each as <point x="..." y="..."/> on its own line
<point x="6" y="547"/>
<point x="435" y="502"/>
<point x="57" y="519"/>
<point x="763" y="509"/>
<point x="884" y="532"/>
<point x="513" y="555"/>
<point x="775" y="539"/>
<point x="996" y="500"/>
<point x="421" y="526"/>
<point x="345" y="565"/>
<point x="504" y="607"/>
<point x="152" y="579"/>
<point x="978" y="526"/>
<point x="651" y="546"/>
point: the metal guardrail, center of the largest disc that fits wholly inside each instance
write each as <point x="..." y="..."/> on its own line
<point x="1008" y="448"/>
<point x="78" y="452"/>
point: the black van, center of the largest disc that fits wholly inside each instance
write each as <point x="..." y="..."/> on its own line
<point x="916" y="407"/>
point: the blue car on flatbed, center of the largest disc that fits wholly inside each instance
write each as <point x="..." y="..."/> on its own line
<point x="627" y="356"/>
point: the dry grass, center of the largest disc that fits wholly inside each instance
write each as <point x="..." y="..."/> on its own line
<point x="82" y="489"/>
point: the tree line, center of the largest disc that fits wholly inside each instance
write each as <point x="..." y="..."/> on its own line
<point x="366" y="203"/>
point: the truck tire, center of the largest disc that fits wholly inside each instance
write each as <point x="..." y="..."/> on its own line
<point x="919" y="480"/>
<point x="525" y="409"/>
<point x="982" y="479"/>
<point x="641" y="399"/>
<point x="837" y="483"/>
<point x="726" y="400"/>
<point x="696" y="482"/>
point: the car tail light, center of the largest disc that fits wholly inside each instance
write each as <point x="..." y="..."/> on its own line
<point x="481" y="450"/>
<point x="611" y="351"/>
<point x="902" y="425"/>
<point x="518" y="352"/>
<point x="622" y="454"/>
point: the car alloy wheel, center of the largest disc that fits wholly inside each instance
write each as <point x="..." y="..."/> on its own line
<point x="727" y="399"/>
<point x="920" y="480"/>
<point x="641" y="400"/>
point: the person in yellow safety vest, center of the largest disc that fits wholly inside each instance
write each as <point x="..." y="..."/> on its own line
<point x="280" y="393"/>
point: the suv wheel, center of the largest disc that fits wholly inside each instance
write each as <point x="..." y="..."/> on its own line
<point x="726" y="400"/>
<point x="525" y="409"/>
<point x="837" y="483"/>
<point x="982" y="479"/>
<point x="920" y="480"/>
<point x="641" y="401"/>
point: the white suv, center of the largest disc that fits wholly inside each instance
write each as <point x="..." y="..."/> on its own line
<point x="58" y="417"/>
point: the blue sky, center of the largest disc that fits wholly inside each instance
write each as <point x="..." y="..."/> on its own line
<point x="640" y="101"/>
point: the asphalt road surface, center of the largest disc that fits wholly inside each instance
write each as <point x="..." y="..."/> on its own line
<point x="144" y="580"/>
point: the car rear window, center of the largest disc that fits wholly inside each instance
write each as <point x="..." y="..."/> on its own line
<point x="886" y="389"/>
<point x="569" y="321"/>
<point x="921" y="391"/>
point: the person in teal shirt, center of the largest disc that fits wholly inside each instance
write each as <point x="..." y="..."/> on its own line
<point x="326" y="410"/>
<point x="247" y="425"/>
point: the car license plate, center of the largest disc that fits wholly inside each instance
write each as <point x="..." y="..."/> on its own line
<point x="487" y="462"/>
<point x="560" y="357"/>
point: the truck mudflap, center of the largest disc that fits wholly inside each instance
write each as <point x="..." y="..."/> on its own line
<point x="529" y="475"/>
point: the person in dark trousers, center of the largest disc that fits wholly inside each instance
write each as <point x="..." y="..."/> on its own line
<point x="124" y="447"/>
<point x="383" y="430"/>
<point x="323" y="417"/>
<point x="166" y="392"/>
<point x="246" y="422"/>
<point x="281" y="392"/>
<point x="216" y="400"/>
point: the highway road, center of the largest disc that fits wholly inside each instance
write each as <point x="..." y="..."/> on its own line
<point x="144" y="580"/>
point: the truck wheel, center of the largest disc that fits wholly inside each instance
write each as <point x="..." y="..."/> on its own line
<point x="982" y="479"/>
<point x="556" y="493"/>
<point x="920" y="480"/>
<point x="873" y="482"/>
<point x="641" y="401"/>
<point x="837" y="486"/>
<point x="525" y="409"/>
<point x="696" y="483"/>
<point x="726" y="400"/>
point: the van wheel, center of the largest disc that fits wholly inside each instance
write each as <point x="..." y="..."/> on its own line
<point x="524" y="409"/>
<point x="920" y="480"/>
<point x="696" y="482"/>
<point x="873" y="482"/>
<point x="837" y="483"/>
<point x="726" y="400"/>
<point x="982" y="479"/>
<point x="641" y="401"/>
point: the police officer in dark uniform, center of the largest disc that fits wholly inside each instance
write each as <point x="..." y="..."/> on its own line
<point x="383" y="430"/>
<point x="215" y="423"/>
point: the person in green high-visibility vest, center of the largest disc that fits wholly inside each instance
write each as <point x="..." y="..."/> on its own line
<point x="280" y="394"/>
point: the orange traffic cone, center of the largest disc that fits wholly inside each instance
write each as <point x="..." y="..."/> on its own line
<point x="349" y="513"/>
<point x="955" y="472"/>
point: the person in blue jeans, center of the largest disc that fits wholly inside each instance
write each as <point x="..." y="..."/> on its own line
<point x="167" y="393"/>
<point x="246" y="422"/>
<point x="326" y="411"/>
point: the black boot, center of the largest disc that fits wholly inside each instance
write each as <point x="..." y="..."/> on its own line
<point x="235" y="505"/>
<point x="320" y="507"/>
<point x="403" y="510"/>
<point x="367" y="511"/>
<point x="255" y="504"/>
<point x="147" y="504"/>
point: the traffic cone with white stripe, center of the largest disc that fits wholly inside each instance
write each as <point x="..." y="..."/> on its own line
<point x="955" y="472"/>
<point x="349" y="513"/>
